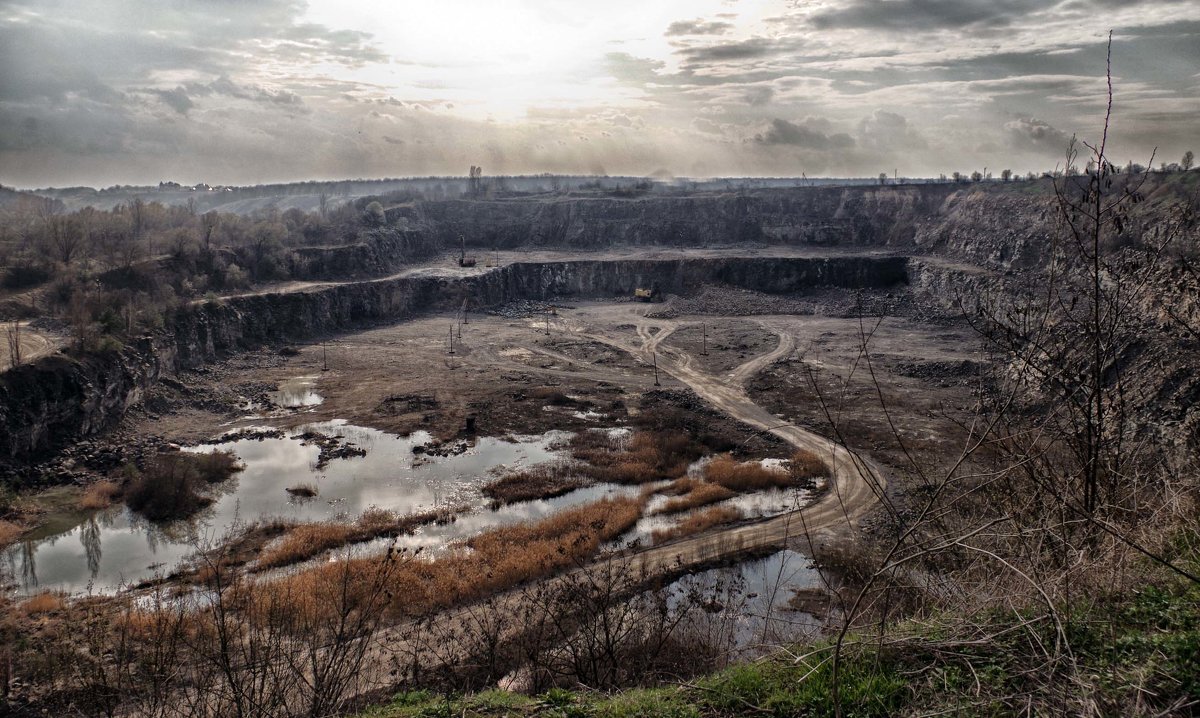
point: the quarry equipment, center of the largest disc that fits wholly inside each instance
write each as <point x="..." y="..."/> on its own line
<point x="463" y="259"/>
<point x="646" y="295"/>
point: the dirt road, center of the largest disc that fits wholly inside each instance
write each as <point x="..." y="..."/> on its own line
<point x="34" y="344"/>
<point x="854" y="486"/>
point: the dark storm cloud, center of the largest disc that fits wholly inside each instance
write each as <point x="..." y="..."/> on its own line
<point x="923" y="15"/>
<point x="782" y="132"/>
<point x="177" y="99"/>
<point x="752" y="48"/>
<point x="697" y="27"/>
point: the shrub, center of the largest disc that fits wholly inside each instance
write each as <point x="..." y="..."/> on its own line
<point x="216" y="466"/>
<point x="646" y="456"/>
<point x="23" y="276"/>
<point x="171" y="485"/>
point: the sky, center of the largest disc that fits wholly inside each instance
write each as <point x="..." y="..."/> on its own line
<point x="103" y="92"/>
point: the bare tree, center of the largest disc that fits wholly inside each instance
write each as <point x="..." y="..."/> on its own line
<point x="14" y="344"/>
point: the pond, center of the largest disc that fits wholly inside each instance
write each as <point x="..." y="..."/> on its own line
<point x="114" y="547"/>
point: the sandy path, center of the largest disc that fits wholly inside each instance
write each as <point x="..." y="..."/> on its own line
<point x="34" y="345"/>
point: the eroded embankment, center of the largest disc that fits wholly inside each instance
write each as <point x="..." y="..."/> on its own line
<point x="57" y="400"/>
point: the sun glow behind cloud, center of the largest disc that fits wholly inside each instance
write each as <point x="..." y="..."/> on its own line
<point x="500" y="60"/>
<point x="102" y="91"/>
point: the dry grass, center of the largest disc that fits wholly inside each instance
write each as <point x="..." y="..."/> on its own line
<point x="742" y="477"/>
<point x="44" y="602"/>
<point x="9" y="533"/>
<point x="544" y="481"/>
<point x="306" y="491"/>
<point x="691" y="494"/>
<point x="99" y="495"/>
<point x="304" y="541"/>
<point x="643" y="457"/>
<point x="805" y="465"/>
<point x="697" y="522"/>
<point x="496" y="560"/>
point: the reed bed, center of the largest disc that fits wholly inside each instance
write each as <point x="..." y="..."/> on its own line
<point x="697" y="522"/>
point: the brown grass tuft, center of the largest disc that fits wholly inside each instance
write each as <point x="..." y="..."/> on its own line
<point x="741" y="477"/>
<point x="99" y="495"/>
<point x="544" y="481"/>
<point x="644" y="457"/>
<point x="44" y="602"/>
<point x="497" y="559"/>
<point x="9" y="533"/>
<point x="697" y="522"/>
<point x="805" y="465"/>
<point x="304" y="541"/>
<point x="699" y="494"/>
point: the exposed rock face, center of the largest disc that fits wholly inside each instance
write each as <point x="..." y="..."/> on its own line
<point x="982" y="224"/>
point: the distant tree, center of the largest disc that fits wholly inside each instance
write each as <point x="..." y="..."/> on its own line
<point x="14" y="344"/>
<point x="1006" y="175"/>
<point x="1188" y="159"/>
<point x="976" y="176"/>
<point x="883" y="178"/>
<point x="209" y="222"/>
<point x="475" y="180"/>
<point x="374" y="214"/>
<point x="958" y="176"/>
<point x="942" y="177"/>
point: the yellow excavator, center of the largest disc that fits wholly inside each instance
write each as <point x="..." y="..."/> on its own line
<point x="646" y="295"/>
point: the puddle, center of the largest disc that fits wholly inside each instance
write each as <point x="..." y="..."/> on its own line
<point x="752" y="607"/>
<point x="297" y="393"/>
<point x="115" y="546"/>
<point x="760" y="504"/>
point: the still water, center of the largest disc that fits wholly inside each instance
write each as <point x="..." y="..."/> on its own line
<point x="113" y="547"/>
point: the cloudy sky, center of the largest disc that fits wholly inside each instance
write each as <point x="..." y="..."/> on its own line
<point x="99" y="92"/>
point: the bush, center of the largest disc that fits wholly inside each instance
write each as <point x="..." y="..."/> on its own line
<point x="171" y="485"/>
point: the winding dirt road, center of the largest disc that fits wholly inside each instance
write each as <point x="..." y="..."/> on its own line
<point x="855" y="484"/>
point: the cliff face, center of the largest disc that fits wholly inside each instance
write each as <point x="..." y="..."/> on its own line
<point x="383" y="251"/>
<point x="994" y="225"/>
